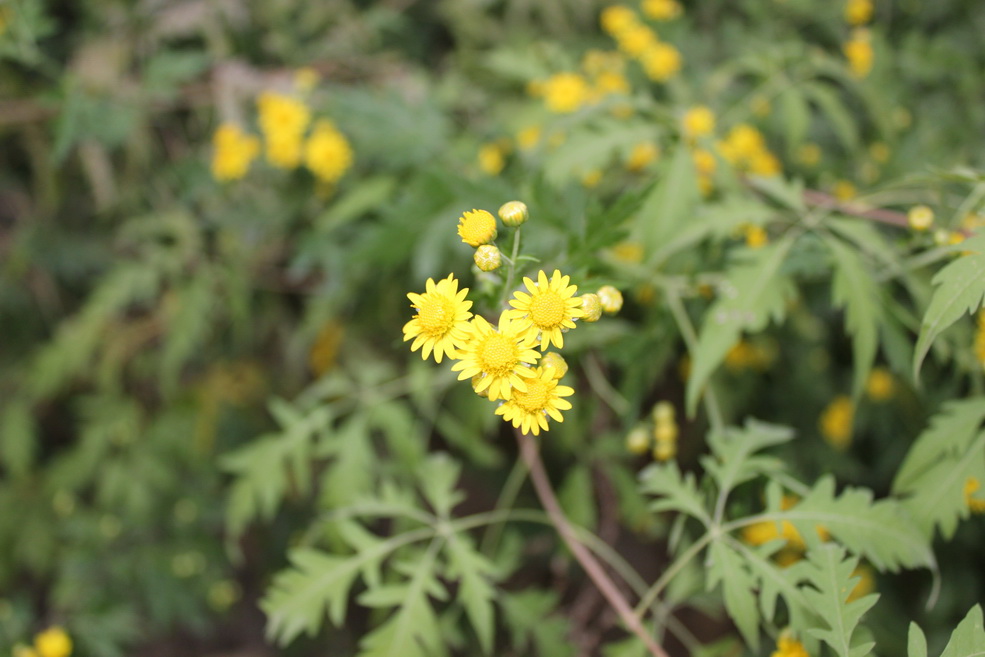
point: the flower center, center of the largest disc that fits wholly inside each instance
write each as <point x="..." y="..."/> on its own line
<point x="535" y="399"/>
<point x="547" y="310"/>
<point x="436" y="316"/>
<point x="498" y="355"/>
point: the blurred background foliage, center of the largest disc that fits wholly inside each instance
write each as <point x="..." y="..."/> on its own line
<point x="193" y="369"/>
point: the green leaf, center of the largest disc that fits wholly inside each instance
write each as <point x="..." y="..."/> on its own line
<point x="880" y="531"/>
<point x="437" y="477"/>
<point x="475" y="592"/>
<point x="968" y="638"/>
<point x="960" y="291"/>
<point x="733" y="450"/>
<point x="754" y="292"/>
<point x="796" y="116"/>
<point x="535" y="627"/>
<point x="829" y="101"/>
<point x="950" y="433"/>
<point x="669" y="206"/>
<point x="773" y="582"/>
<point x="830" y="570"/>
<point x="188" y="326"/>
<point x="854" y="289"/>
<point x="916" y="642"/>
<point x="675" y="492"/>
<point x="18" y="439"/>
<point x="365" y="196"/>
<point x="727" y="566"/>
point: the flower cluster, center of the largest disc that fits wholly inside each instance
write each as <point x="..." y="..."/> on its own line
<point x="660" y="61"/>
<point x="662" y="436"/>
<point x="284" y="122"/>
<point x="507" y="362"/>
<point x="53" y="642"/>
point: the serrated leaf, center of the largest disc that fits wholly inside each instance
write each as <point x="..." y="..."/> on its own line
<point x="830" y="572"/>
<point x="774" y="582"/>
<point x="960" y="291"/>
<point x="727" y="566"/>
<point x="475" y="592"/>
<point x="437" y="477"/>
<point x="733" y="461"/>
<point x="854" y="289"/>
<point x="916" y="642"/>
<point x="675" y="492"/>
<point x="881" y="531"/>
<point x="535" y="626"/>
<point x="950" y="433"/>
<point x="754" y="292"/>
<point x="968" y="638"/>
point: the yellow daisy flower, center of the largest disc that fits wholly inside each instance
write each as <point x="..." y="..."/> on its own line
<point x="477" y="227"/>
<point x="549" y="307"/>
<point x="529" y="409"/>
<point x="503" y="355"/>
<point x="441" y="324"/>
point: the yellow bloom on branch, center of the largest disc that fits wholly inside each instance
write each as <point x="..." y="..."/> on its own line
<point x="858" y="12"/>
<point x="880" y="385"/>
<point x="616" y="18"/>
<point x="441" y="324"/>
<point x="529" y="409"/>
<point x="789" y="647"/>
<point x="502" y="355"/>
<point x="327" y="153"/>
<point x="477" y="227"/>
<point x="858" y="51"/>
<point x="548" y="308"/>
<point x="661" y="10"/>
<point x="53" y="642"/>
<point x="565" y="92"/>
<point x="698" y="121"/>
<point x="661" y="61"/>
<point x="836" y="422"/>
<point x="233" y="152"/>
<point x="283" y="120"/>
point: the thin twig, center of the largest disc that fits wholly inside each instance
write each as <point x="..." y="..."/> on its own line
<point x="531" y="455"/>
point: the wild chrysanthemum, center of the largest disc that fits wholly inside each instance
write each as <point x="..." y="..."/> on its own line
<point x="487" y="257"/>
<point x="565" y="92"/>
<point x="858" y="51"/>
<point x="283" y="120"/>
<point x="542" y="398"/>
<point x="836" y="422"/>
<point x="789" y="647"/>
<point x="858" y="12"/>
<point x="477" y="227"/>
<point x="698" y="121"/>
<point x="880" y="385"/>
<point x="53" y="642"/>
<point x="591" y="307"/>
<point x="233" y="152"/>
<point x="491" y="158"/>
<point x="502" y="355"/>
<point x="550" y="306"/>
<point x="441" y="324"/>
<point x="661" y="10"/>
<point x="975" y="504"/>
<point x="661" y="61"/>
<point x="327" y="152"/>
<point x="616" y="18"/>
<point x="642" y="154"/>
<point x="610" y="298"/>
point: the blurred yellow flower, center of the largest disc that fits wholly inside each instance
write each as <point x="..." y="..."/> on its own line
<point x="764" y="163"/>
<point x="616" y="18"/>
<point x="284" y="149"/>
<point x="591" y="178"/>
<point x="756" y="236"/>
<point x="975" y="504"/>
<point x="789" y="647"/>
<point x="809" y="154"/>
<point x="610" y="298"/>
<point x="836" y="422"/>
<point x="53" y="642"/>
<point x="233" y="152"/>
<point x="661" y="61"/>
<point x="704" y="161"/>
<point x="879" y="152"/>
<point x="661" y="10"/>
<point x="565" y="92"/>
<point x="698" y="121"/>
<point x="858" y="12"/>
<point x="844" y="190"/>
<point x="595" y="62"/>
<point x="642" y="154"/>
<point x="305" y="79"/>
<point x="610" y="82"/>
<point x="325" y="349"/>
<point x="491" y="159"/>
<point x="528" y="137"/>
<point x="920" y="217"/>
<point x="638" y="440"/>
<point x="880" y="386"/>
<point x="636" y="39"/>
<point x="327" y="153"/>
<point x="866" y="582"/>
<point x="283" y="120"/>
<point x="858" y="51"/>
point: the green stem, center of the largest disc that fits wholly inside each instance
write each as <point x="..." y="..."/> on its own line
<point x="490" y="538"/>
<point x="508" y="287"/>
<point x="654" y="591"/>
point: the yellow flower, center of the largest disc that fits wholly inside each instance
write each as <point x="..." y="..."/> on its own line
<point x="789" y="647"/>
<point x="616" y="18"/>
<point x="975" y="504"/>
<point x="745" y="142"/>
<point x="477" y="227"/>
<point x="550" y="308"/>
<point x="661" y="10"/>
<point x="528" y="137"/>
<point x="513" y="213"/>
<point x="764" y="163"/>
<point x="591" y="178"/>
<point x="565" y="92"/>
<point x="487" y="257"/>
<point x="756" y="236"/>
<point x="280" y="114"/>
<point x="698" y="121"/>
<point x="836" y="422"/>
<point x="638" y="440"/>
<point x="610" y="298"/>
<point x="920" y="217"/>
<point x="596" y="62"/>
<point x="661" y="61"/>
<point x="880" y="385"/>
<point x="441" y="324"/>
<point x="642" y="154"/>
<point x="664" y="451"/>
<point x="858" y="12"/>
<point x="809" y="154"/>
<point x="528" y="409"/>
<point x="591" y="307"/>
<point x="53" y="642"/>
<point x="284" y="149"/>
<point x="555" y="361"/>
<point x="628" y="252"/>
<point x="665" y="432"/>
<point x="503" y="355"/>
<point x="879" y="152"/>
<point x="491" y="159"/>
<point x="636" y="39"/>
<point x="609" y="82"/>
<point x="844" y="190"/>
<point x="233" y="152"/>
<point x="327" y="153"/>
<point x="858" y="52"/>
<point x="704" y="161"/>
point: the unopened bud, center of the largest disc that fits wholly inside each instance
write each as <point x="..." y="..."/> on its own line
<point x="487" y="257"/>
<point x="514" y="213"/>
<point x="555" y="361"/>
<point x="638" y="441"/>
<point x="591" y="307"/>
<point x="611" y="299"/>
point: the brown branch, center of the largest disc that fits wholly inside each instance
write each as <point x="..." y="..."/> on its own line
<point x="531" y="456"/>
<point x="828" y="202"/>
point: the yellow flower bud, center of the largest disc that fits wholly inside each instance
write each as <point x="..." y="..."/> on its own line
<point x="513" y="213"/>
<point x="665" y="432"/>
<point x="555" y="361"/>
<point x="920" y="217"/>
<point x="487" y="257"/>
<point x="663" y="412"/>
<point x="665" y="451"/>
<point x="610" y="298"/>
<point x="638" y="440"/>
<point x="591" y="306"/>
